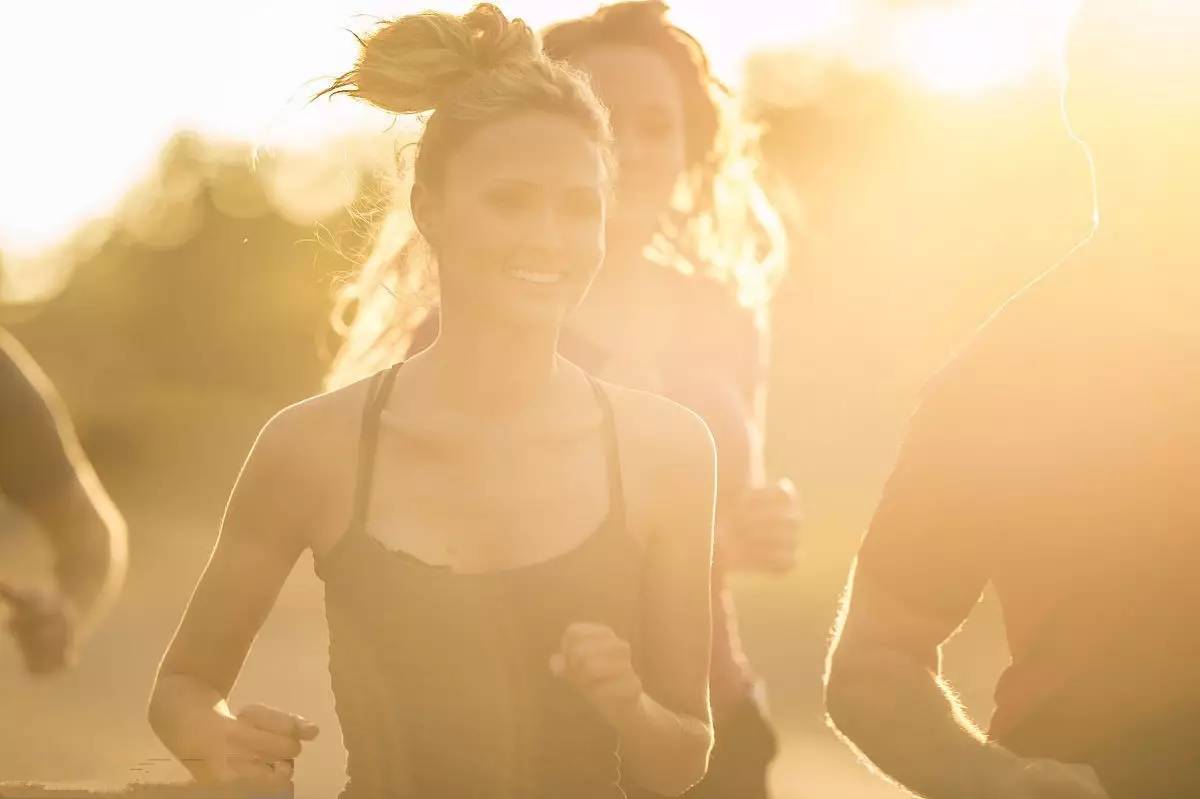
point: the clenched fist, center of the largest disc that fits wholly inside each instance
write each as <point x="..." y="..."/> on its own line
<point x="260" y="744"/>
<point x="762" y="533"/>
<point x="600" y="665"/>
<point x="44" y="625"/>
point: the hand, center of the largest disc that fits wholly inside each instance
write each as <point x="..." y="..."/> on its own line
<point x="259" y="745"/>
<point x="763" y="532"/>
<point x="600" y="665"/>
<point x="1050" y="779"/>
<point x="44" y="624"/>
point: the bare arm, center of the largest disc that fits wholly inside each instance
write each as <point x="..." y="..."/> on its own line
<point x="885" y="693"/>
<point x="932" y="547"/>
<point x="262" y="535"/>
<point x="666" y="743"/>
<point x="920" y="571"/>
<point x="658" y="701"/>
<point x="44" y="470"/>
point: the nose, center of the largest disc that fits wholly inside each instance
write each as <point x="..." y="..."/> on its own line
<point x="628" y="146"/>
<point x="545" y="230"/>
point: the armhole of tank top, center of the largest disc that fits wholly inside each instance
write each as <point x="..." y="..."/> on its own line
<point x="612" y="454"/>
<point x="364" y="466"/>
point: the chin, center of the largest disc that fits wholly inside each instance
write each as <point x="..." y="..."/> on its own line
<point x="531" y="315"/>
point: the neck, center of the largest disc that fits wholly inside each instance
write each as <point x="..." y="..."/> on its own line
<point x="479" y="367"/>
<point x="619" y="281"/>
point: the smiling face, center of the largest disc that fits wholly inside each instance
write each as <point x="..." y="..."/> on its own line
<point x="518" y="220"/>
<point x="649" y="125"/>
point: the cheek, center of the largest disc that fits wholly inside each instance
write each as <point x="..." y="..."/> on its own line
<point x="657" y="175"/>
<point x="672" y="157"/>
<point x="587" y="246"/>
<point x="666" y="148"/>
<point x="475" y="235"/>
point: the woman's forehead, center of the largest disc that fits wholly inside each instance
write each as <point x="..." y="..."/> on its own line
<point x="630" y="76"/>
<point x="534" y="147"/>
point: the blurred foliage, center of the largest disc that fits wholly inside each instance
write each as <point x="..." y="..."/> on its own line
<point x="199" y="308"/>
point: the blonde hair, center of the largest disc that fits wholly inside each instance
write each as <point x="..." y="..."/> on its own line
<point x="466" y="72"/>
<point x="724" y="226"/>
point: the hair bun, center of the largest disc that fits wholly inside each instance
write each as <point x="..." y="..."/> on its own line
<point x="413" y="64"/>
<point x="635" y="15"/>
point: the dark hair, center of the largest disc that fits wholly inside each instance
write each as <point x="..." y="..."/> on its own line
<point x="730" y="229"/>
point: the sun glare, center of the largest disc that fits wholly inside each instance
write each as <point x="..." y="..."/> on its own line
<point x="972" y="48"/>
<point x="90" y="125"/>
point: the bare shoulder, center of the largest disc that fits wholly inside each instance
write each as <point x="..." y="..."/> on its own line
<point x="668" y="462"/>
<point x="322" y="424"/>
<point x="663" y="432"/>
<point x="304" y="457"/>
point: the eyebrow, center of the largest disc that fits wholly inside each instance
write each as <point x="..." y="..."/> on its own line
<point x="655" y="108"/>
<point x="643" y="107"/>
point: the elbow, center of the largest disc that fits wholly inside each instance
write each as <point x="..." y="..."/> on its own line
<point x="157" y="716"/>
<point x="157" y="710"/>
<point x="112" y="559"/>
<point x="118" y="550"/>
<point x="118" y="564"/>
<point x="848" y="696"/>
<point x="109" y="550"/>
<point x="169" y="697"/>
<point x="694" y="764"/>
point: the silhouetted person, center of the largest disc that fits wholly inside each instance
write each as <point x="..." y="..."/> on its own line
<point x="516" y="555"/>
<point x="1058" y="458"/>
<point x="45" y="473"/>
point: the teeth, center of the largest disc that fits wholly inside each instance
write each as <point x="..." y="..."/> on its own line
<point x="543" y="278"/>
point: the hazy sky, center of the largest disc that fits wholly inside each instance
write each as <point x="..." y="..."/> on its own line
<point x="92" y="90"/>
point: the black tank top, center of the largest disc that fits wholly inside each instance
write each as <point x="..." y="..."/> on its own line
<point x="442" y="680"/>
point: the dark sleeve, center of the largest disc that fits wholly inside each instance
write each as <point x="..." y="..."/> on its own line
<point x="36" y="438"/>
<point x="934" y="535"/>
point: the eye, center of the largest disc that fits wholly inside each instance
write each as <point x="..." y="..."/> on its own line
<point x="655" y="129"/>
<point x="510" y="199"/>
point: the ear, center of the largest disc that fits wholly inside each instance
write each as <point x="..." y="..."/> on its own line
<point x="426" y="214"/>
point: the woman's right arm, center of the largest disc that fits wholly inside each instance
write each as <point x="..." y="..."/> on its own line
<point x="262" y="535"/>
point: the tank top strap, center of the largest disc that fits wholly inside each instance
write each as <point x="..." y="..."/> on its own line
<point x="612" y="454"/>
<point x="368" y="443"/>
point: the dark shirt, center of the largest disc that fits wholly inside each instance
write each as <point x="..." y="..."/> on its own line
<point x="442" y="680"/>
<point x="1058" y="458"/>
<point x="714" y="365"/>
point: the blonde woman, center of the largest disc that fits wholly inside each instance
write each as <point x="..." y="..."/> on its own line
<point x="694" y="249"/>
<point x="516" y="555"/>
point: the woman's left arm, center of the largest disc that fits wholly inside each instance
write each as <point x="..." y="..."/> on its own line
<point x="658" y="700"/>
<point x="666" y="741"/>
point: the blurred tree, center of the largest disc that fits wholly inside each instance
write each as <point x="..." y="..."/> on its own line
<point x="201" y="310"/>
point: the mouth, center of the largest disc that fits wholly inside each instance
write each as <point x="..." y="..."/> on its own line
<point x="535" y="277"/>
